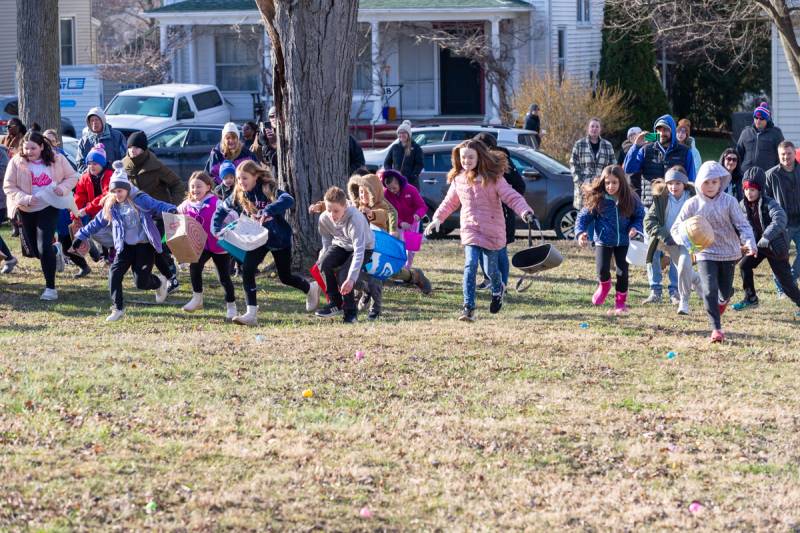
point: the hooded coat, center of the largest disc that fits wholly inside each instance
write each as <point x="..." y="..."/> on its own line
<point x="759" y="148"/>
<point x="153" y="177"/>
<point x="407" y="202"/>
<point x="18" y="183"/>
<point x="730" y="225"/>
<point x="656" y="218"/>
<point x="771" y="216"/>
<point x="112" y="140"/>
<point x="611" y="227"/>
<point x="85" y="198"/>
<point x="383" y="214"/>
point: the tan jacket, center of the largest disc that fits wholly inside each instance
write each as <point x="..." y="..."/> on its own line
<point x="17" y="183"/>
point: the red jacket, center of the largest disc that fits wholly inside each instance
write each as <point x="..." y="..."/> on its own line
<point x="84" y="193"/>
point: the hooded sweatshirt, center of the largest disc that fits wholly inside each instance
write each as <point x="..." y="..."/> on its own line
<point x="653" y="159"/>
<point x="657" y="221"/>
<point x="382" y="215"/>
<point x="722" y="212"/>
<point x="352" y="233"/>
<point x="112" y="140"/>
<point x="407" y="201"/>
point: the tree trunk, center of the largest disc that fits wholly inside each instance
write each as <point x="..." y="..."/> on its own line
<point x="313" y="57"/>
<point x="38" y="63"/>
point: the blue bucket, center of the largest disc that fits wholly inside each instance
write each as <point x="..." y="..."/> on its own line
<point x="388" y="257"/>
<point x="236" y="252"/>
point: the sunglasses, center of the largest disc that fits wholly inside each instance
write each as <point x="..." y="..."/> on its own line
<point x="733" y="159"/>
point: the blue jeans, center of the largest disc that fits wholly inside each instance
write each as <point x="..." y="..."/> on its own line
<point x="502" y="264"/>
<point x="654" y="274"/>
<point x="794" y="236"/>
<point x="472" y="257"/>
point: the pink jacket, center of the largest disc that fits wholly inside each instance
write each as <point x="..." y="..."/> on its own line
<point x="407" y="202"/>
<point x="204" y="214"/>
<point x="18" y="182"/>
<point x="482" y="222"/>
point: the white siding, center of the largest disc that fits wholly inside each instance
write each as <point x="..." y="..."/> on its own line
<point x="583" y="41"/>
<point x="8" y="48"/>
<point x="541" y="38"/>
<point x="785" y="100"/>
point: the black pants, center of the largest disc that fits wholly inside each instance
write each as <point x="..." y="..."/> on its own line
<point x="716" y="280"/>
<point x="283" y="264"/>
<point x="39" y="228"/>
<point x="66" y="244"/>
<point x="780" y="267"/>
<point x="140" y="258"/>
<point x="163" y="260"/>
<point x="336" y="258"/>
<point x="4" y="249"/>
<point x="602" y="258"/>
<point x="222" y="264"/>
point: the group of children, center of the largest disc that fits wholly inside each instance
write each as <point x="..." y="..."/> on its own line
<point x="744" y="233"/>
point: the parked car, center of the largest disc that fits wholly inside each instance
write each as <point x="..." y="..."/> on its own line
<point x="449" y="133"/>
<point x="70" y="146"/>
<point x="9" y="108"/>
<point x="157" y="107"/>
<point x="185" y="148"/>
<point x="548" y="186"/>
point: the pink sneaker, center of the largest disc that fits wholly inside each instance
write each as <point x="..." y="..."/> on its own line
<point x="619" y="304"/>
<point x="599" y="296"/>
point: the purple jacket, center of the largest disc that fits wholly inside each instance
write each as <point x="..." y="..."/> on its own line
<point x="215" y="159"/>
<point x="203" y="212"/>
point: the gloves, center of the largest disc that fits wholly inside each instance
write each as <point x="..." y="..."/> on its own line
<point x="763" y="242"/>
<point x="528" y="217"/>
<point x="433" y="227"/>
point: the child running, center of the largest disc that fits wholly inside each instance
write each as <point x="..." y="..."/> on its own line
<point x="616" y="213"/>
<point x="768" y="220"/>
<point x="91" y="190"/>
<point x="256" y="195"/>
<point x="717" y="262"/>
<point x="405" y="198"/>
<point x="201" y="204"/>
<point x="136" y="239"/>
<point x="478" y="187"/>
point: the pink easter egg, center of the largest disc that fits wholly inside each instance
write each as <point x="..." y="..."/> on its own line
<point x="365" y="512"/>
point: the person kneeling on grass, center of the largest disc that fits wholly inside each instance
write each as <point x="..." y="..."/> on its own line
<point x="346" y="240"/>
<point x="768" y="220"/>
<point x="136" y="238"/>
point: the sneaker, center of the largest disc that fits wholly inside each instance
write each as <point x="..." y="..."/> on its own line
<point x="329" y="311"/>
<point x="422" y="282"/>
<point x="483" y="285"/>
<point x="115" y="315"/>
<point x="162" y="290"/>
<point x="654" y="298"/>
<point x="497" y="303"/>
<point x="312" y="298"/>
<point x="717" y="336"/>
<point x="8" y="266"/>
<point x="744" y="304"/>
<point x="82" y="273"/>
<point x="173" y="284"/>
<point x="467" y="315"/>
<point x="374" y="314"/>
<point x="683" y="307"/>
<point x="674" y="299"/>
<point x="49" y="295"/>
<point x="59" y="257"/>
<point x="363" y="302"/>
<point x="230" y="310"/>
<point x="350" y="317"/>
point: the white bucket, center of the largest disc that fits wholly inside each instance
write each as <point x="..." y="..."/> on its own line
<point x="637" y="252"/>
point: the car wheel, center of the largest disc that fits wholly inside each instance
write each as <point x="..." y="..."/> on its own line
<point x="564" y="222"/>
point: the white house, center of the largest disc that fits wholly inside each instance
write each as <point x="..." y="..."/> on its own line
<point x="224" y="43"/>
<point x="785" y="98"/>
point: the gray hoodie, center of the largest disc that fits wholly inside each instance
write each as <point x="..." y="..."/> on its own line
<point x="352" y="232"/>
<point x="722" y="212"/>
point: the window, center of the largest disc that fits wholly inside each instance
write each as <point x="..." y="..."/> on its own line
<point x="67" y="41"/>
<point x="362" y="80"/>
<point x="150" y="106"/>
<point x="207" y="100"/>
<point x="427" y="137"/>
<point x="238" y="63"/>
<point x="459" y="135"/>
<point x="171" y="138"/>
<point x="204" y="137"/>
<point x="527" y="139"/>
<point x="584" y="11"/>
<point x="562" y="53"/>
<point x="438" y="162"/>
<point x="184" y="111"/>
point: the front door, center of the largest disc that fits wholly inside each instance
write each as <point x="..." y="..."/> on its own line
<point x="461" y="81"/>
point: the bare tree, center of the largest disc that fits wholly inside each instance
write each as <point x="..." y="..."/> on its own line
<point x="38" y="63"/>
<point x="707" y="27"/>
<point x="313" y="55"/>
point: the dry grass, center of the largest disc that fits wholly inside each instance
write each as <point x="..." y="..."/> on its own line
<point x="519" y="421"/>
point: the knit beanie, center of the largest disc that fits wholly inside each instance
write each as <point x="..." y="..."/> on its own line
<point x="138" y="139"/>
<point x="230" y="127"/>
<point x="97" y="155"/>
<point x="754" y="178"/>
<point x="405" y="126"/>
<point x="119" y="179"/>
<point x="226" y="168"/>
<point x="762" y="111"/>
<point x="675" y="174"/>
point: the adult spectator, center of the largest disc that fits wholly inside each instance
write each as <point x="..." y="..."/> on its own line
<point x="684" y="136"/>
<point x="730" y="160"/>
<point x="783" y="184"/>
<point x="230" y="148"/>
<point x="590" y="155"/>
<point x="268" y="140"/>
<point x="249" y="133"/>
<point x="153" y="177"/>
<point x="635" y="178"/>
<point x="405" y="156"/>
<point x="758" y="144"/>
<point x="355" y="155"/>
<point x="533" y="123"/>
<point x="12" y="140"/>
<point x="654" y="158"/>
<point x="97" y="131"/>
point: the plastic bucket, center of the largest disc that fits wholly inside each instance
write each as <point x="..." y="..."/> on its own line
<point x="236" y="252"/>
<point x="388" y="257"/>
<point x="413" y="240"/>
<point x="637" y="252"/>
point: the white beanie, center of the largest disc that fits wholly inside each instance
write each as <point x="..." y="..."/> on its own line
<point x="405" y="126"/>
<point x="635" y="130"/>
<point x="119" y="179"/>
<point x="230" y="127"/>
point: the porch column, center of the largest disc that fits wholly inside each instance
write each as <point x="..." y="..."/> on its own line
<point x="377" y="88"/>
<point x="192" y="50"/>
<point x="493" y="114"/>
<point x="163" y="35"/>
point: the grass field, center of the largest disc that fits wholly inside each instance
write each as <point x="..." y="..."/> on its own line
<point x="522" y="420"/>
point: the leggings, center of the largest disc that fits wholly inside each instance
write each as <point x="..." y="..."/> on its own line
<point x="163" y="260"/>
<point x="716" y="280"/>
<point x="39" y="228"/>
<point x="781" y="269"/>
<point x="222" y="264"/>
<point x="140" y="258"/>
<point x="66" y="244"/>
<point x="283" y="264"/>
<point x="4" y="250"/>
<point x="602" y="257"/>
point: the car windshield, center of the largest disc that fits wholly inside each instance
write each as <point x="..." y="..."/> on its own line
<point x="542" y="160"/>
<point x="169" y="138"/>
<point x="149" y="106"/>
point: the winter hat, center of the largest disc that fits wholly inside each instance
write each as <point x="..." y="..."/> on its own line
<point x="119" y="179"/>
<point x="754" y="178"/>
<point x="635" y="130"/>
<point x="405" y="126"/>
<point x="138" y="139"/>
<point x="97" y="155"/>
<point x="226" y="168"/>
<point x="675" y="174"/>
<point x="762" y="111"/>
<point x="230" y="127"/>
